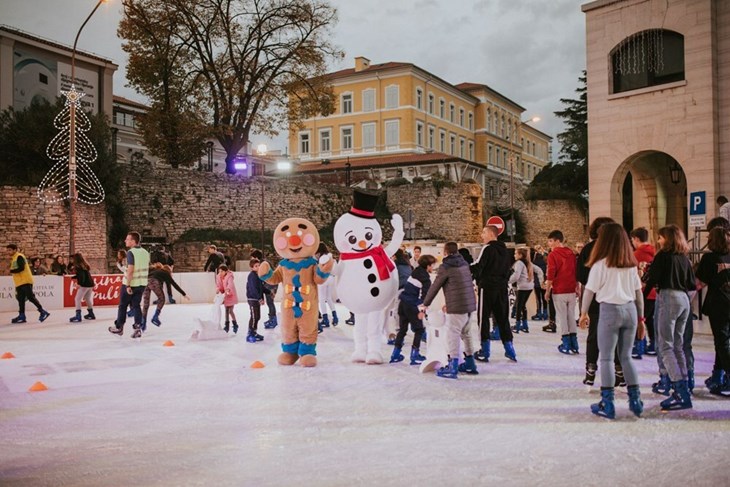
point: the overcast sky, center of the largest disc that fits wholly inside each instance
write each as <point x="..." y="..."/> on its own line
<point x="531" y="51"/>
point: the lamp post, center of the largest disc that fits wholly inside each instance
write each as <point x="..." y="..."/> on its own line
<point x="512" y="160"/>
<point x="73" y="96"/>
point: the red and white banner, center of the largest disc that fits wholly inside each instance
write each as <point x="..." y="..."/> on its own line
<point x="107" y="288"/>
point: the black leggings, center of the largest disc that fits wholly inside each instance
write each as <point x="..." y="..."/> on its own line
<point x="540" y="301"/>
<point x="720" y="324"/>
<point x="408" y="314"/>
<point x="522" y="297"/>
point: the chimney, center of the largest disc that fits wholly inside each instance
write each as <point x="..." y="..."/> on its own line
<point x="361" y="63"/>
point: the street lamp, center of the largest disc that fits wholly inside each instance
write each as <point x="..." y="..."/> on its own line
<point x="512" y="160"/>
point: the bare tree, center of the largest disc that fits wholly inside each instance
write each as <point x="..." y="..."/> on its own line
<point x="237" y="63"/>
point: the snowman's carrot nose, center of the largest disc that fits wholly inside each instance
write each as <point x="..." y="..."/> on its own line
<point x="362" y="244"/>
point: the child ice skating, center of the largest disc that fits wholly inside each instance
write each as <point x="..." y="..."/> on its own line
<point x="85" y="291"/>
<point x="255" y="296"/>
<point x="226" y="286"/>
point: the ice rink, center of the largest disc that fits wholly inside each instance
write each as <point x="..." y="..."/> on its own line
<point x="124" y="412"/>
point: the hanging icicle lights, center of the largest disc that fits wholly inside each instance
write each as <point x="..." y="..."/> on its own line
<point x="640" y="53"/>
<point x="56" y="185"/>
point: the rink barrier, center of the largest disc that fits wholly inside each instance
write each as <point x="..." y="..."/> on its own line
<point x="57" y="292"/>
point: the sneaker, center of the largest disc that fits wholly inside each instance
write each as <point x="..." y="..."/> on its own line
<point x="551" y="327"/>
<point x="116" y="331"/>
<point x="137" y="333"/>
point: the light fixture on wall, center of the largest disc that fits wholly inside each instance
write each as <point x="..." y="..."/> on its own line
<point x="675" y="173"/>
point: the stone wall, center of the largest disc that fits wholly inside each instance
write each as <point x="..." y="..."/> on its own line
<point x="451" y="213"/>
<point x="165" y="202"/>
<point x="42" y="229"/>
<point x="543" y="216"/>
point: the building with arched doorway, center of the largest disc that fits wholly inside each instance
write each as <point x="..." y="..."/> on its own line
<point x="658" y="108"/>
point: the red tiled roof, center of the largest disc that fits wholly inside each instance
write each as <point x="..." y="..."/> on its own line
<point x="361" y="162"/>
<point x="372" y="67"/>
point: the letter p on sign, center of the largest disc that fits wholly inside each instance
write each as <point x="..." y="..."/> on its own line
<point x="697" y="203"/>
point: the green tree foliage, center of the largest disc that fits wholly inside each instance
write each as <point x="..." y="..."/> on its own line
<point x="24" y="136"/>
<point x="232" y="64"/>
<point x="173" y="128"/>
<point x="568" y="178"/>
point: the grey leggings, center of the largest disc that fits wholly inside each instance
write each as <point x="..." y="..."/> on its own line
<point x="616" y="331"/>
<point x="85" y="294"/>
<point x="670" y="319"/>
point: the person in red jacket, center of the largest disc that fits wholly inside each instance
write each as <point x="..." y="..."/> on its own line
<point x="644" y="253"/>
<point x="561" y="287"/>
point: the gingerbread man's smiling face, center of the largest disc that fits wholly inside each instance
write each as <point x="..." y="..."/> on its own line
<point x="296" y="238"/>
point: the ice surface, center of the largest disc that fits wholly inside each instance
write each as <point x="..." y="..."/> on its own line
<point x="124" y="412"/>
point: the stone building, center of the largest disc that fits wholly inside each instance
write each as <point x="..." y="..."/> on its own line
<point x="658" y="107"/>
<point x="397" y="120"/>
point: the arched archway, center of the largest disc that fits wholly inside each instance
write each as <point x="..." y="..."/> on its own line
<point x="645" y="193"/>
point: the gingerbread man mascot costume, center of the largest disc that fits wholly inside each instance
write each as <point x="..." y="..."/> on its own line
<point x="296" y="240"/>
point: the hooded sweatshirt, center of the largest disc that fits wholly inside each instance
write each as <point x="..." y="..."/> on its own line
<point x="561" y="270"/>
<point x="645" y="255"/>
<point x="454" y="276"/>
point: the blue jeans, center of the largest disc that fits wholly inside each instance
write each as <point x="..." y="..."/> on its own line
<point x="125" y="300"/>
<point x="616" y="331"/>
<point x="670" y="319"/>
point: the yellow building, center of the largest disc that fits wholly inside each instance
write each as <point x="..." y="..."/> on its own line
<point x="397" y="120"/>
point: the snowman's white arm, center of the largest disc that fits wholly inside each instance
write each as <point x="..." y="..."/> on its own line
<point x="398" y="235"/>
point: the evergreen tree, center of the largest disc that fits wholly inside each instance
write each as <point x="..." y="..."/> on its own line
<point x="567" y="178"/>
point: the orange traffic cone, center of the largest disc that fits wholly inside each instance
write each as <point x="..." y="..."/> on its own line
<point x="257" y="365"/>
<point x="168" y="343"/>
<point x="7" y="355"/>
<point x="37" y="387"/>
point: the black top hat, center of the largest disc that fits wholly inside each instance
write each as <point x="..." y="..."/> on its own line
<point x="364" y="203"/>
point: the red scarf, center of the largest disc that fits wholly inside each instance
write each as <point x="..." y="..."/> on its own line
<point x="382" y="261"/>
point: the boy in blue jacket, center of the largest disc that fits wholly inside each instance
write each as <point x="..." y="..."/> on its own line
<point x="415" y="289"/>
<point x="255" y="296"/>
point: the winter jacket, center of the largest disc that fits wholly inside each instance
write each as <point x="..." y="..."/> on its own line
<point x="670" y="271"/>
<point x="83" y="278"/>
<point x="645" y="256"/>
<point x="214" y="260"/>
<point x="227" y="286"/>
<point x="416" y="287"/>
<point x="521" y="276"/>
<point x="561" y="270"/>
<point x="493" y="265"/>
<point x="254" y="287"/>
<point x="404" y="272"/>
<point x="454" y="276"/>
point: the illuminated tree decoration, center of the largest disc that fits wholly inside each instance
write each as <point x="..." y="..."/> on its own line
<point x="71" y="172"/>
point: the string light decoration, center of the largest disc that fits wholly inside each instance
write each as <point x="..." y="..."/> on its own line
<point x="640" y="53"/>
<point x="71" y="177"/>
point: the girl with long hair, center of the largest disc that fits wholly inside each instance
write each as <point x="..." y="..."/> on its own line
<point x="85" y="291"/>
<point x="671" y="274"/>
<point x="614" y="281"/>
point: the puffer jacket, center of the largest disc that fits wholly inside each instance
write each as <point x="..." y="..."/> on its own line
<point x="454" y="276"/>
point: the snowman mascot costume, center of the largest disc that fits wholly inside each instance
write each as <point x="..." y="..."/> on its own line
<point x="366" y="279"/>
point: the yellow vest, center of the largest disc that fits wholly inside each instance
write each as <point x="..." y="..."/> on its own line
<point x="141" y="267"/>
<point x="24" y="276"/>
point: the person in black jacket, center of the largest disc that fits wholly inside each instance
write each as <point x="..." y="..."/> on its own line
<point x="415" y="289"/>
<point x="491" y="272"/>
<point x="86" y="288"/>
<point x="215" y="259"/>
